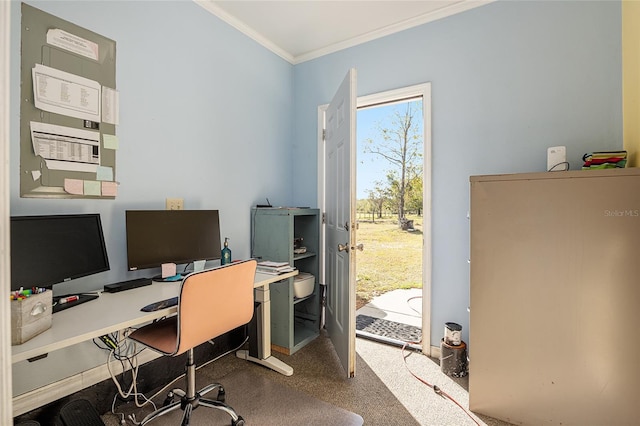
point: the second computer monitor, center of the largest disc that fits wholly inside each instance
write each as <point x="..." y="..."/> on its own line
<point x="156" y="237"/>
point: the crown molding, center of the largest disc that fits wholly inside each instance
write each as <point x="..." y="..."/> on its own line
<point x="444" y="12"/>
<point x="395" y="28"/>
<point x="245" y="29"/>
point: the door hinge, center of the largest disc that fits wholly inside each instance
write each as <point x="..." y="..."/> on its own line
<point x="324" y="218"/>
<point x="324" y="134"/>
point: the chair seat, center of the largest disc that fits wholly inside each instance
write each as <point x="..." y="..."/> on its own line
<point x="161" y="335"/>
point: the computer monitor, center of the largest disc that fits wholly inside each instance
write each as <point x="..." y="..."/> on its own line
<point x="156" y="237"/>
<point x="47" y="250"/>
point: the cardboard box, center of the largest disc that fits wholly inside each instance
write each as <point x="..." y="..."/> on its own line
<point x="30" y="316"/>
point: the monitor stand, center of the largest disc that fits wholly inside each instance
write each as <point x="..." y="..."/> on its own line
<point x="198" y="265"/>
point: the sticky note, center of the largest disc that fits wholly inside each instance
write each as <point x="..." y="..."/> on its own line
<point x="74" y="186"/>
<point x="104" y="173"/>
<point x="109" y="189"/>
<point x="198" y="265"/>
<point x="168" y="270"/>
<point x="110" y="141"/>
<point x="92" y="187"/>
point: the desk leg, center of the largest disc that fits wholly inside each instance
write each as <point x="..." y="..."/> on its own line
<point x="262" y="354"/>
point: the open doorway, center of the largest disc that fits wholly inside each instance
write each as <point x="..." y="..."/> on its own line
<point x="423" y="92"/>
<point x="390" y="213"/>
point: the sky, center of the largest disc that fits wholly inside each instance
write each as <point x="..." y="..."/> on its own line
<point x="371" y="167"/>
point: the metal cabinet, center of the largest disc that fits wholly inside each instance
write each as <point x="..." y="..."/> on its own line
<point x="554" y="297"/>
<point x="294" y="322"/>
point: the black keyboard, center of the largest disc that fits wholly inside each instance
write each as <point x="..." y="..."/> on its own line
<point x="127" y="285"/>
<point x="160" y="305"/>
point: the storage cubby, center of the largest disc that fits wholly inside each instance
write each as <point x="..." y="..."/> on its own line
<point x="294" y="322"/>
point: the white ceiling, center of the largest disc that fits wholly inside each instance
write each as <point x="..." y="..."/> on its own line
<point x="300" y="30"/>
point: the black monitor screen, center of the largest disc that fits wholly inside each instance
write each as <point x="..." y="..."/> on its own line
<point x="155" y="237"/>
<point x="46" y="250"/>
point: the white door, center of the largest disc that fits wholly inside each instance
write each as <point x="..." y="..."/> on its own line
<point x="340" y="203"/>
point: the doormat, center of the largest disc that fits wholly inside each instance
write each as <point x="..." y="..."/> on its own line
<point x="390" y="332"/>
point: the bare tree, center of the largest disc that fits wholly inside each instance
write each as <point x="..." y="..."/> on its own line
<point x="377" y="198"/>
<point x="401" y="145"/>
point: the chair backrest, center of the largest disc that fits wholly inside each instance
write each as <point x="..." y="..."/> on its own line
<point x="213" y="302"/>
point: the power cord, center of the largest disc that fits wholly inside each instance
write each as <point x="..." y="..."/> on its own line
<point x="123" y="420"/>
<point x="566" y="164"/>
<point x="436" y="389"/>
<point x="127" y="351"/>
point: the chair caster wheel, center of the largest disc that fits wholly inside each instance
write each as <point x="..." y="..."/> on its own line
<point x="239" y="422"/>
<point x="168" y="400"/>
<point x="221" y="395"/>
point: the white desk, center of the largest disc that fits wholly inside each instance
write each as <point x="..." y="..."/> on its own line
<point x="113" y="312"/>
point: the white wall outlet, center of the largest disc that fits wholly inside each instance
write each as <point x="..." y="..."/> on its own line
<point x="175" y="204"/>
<point x="556" y="159"/>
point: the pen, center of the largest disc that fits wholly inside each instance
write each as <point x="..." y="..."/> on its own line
<point x="68" y="299"/>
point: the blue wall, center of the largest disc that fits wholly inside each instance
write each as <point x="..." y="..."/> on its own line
<point x="508" y="80"/>
<point x="211" y="116"/>
<point x="205" y="114"/>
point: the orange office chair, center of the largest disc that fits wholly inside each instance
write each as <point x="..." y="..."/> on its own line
<point x="211" y="303"/>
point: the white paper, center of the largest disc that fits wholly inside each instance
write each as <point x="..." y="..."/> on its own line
<point x="73" y="43"/>
<point x="110" y="106"/>
<point x="67" y="94"/>
<point x="66" y="148"/>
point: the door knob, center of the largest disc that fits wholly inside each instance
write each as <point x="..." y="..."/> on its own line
<point x="343" y="247"/>
<point x="359" y="247"/>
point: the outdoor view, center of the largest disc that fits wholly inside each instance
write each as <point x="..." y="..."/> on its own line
<point x="389" y="198"/>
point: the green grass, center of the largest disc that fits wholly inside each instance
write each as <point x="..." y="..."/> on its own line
<point x="392" y="258"/>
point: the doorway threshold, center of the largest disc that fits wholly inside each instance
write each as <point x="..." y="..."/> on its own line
<point x="393" y="318"/>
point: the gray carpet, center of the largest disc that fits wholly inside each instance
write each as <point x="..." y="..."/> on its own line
<point x="261" y="401"/>
<point x="317" y="389"/>
<point x="383" y="392"/>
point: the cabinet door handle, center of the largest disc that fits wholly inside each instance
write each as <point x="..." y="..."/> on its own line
<point x="343" y="247"/>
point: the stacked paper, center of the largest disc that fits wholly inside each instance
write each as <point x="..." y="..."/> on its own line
<point x="274" y="268"/>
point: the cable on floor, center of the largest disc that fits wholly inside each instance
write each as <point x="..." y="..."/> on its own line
<point x="435" y="388"/>
<point x="126" y="350"/>
<point x="410" y="307"/>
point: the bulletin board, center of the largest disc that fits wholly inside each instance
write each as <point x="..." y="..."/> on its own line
<point x="69" y="110"/>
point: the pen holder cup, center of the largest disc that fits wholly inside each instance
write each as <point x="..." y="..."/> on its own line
<point x="30" y="316"/>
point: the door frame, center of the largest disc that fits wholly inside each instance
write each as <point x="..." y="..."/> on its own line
<point x="5" y="197"/>
<point x="423" y="90"/>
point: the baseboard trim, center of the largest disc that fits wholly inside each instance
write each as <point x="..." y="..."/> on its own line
<point x="61" y="388"/>
<point x="435" y="352"/>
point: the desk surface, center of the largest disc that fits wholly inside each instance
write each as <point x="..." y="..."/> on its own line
<point x="110" y="313"/>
